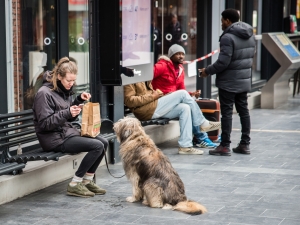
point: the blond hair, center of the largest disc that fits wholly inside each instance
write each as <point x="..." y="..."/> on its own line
<point x="64" y="66"/>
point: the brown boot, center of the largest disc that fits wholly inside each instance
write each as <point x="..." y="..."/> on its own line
<point x="220" y="150"/>
<point x="242" y="149"/>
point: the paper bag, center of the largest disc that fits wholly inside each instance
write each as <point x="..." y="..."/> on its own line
<point x="91" y="122"/>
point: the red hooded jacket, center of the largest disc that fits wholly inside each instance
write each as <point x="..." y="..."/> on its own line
<point x="165" y="77"/>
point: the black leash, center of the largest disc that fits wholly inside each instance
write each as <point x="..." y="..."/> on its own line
<point x="108" y="168"/>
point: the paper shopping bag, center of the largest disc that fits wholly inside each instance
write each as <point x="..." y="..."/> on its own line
<point x="91" y="122"/>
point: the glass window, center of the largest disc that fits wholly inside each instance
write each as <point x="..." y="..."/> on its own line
<point x="34" y="47"/>
<point x="175" y="22"/>
<point x="79" y="41"/>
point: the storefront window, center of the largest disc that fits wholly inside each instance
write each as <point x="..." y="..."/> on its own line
<point x="79" y="41"/>
<point x="33" y="46"/>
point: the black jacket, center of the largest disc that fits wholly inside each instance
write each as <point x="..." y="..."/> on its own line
<point x="233" y="67"/>
<point x="52" y="117"/>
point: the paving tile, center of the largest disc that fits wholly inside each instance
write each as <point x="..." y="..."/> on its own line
<point x="289" y="214"/>
<point x="226" y="218"/>
<point x="290" y="222"/>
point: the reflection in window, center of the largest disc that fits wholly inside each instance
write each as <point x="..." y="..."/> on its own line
<point x="79" y="41"/>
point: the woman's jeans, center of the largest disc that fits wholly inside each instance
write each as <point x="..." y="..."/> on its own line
<point x="93" y="146"/>
<point x="180" y="104"/>
<point x="227" y="99"/>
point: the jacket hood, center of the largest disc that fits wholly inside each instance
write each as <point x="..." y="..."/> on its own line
<point x="170" y="64"/>
<point x="240" y="29"/>
<point x="47" y="76"/>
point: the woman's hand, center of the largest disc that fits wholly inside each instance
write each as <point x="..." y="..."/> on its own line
<point x="85" y="96"/>
<point x="75" y="110"/>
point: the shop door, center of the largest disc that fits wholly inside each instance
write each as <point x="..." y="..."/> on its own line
<point x="175" y="22"/>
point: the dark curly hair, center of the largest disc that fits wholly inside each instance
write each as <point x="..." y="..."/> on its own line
<point x="231" y="14"/>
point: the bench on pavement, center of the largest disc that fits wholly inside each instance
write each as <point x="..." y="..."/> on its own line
<point x="19" y="143"/>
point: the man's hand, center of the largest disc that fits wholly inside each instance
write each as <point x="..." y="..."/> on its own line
<point x="127" y="71"/>
<point x="202" y="73"/>
<point x="157" y="94"/>
<point x="196" y="93"/>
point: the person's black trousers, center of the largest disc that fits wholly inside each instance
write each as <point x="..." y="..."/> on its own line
<point x="227" y="99"/>
<point x="95" y="148"/>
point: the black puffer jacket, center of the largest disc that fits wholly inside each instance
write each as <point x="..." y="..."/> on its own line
<point x="233" y="67"/>
<point x="52" y="117"/>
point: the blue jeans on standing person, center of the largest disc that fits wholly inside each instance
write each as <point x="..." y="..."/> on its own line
<point x="180" y="104"/>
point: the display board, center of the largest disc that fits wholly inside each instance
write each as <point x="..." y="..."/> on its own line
<point x="136" y="40"/>
<point x="283" y="41"/>
<point x="123" y="39"/>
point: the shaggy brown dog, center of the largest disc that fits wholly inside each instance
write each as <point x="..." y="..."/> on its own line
<point x="150" y="172"/>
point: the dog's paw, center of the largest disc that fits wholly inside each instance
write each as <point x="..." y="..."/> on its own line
<point x="145" y="202"/>
<point x="130" y="199"/>
<point x="167" y="206"/>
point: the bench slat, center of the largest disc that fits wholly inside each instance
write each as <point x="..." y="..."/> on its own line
<point x="20" y="140"/>
<point x="15" y="127"/>
<point x="16" y="120"/>
<point x="18" y="134"/>
<point x="8" y="168"/>
<point x="14" y="114"/>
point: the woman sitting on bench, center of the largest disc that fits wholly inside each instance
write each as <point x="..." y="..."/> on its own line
<point x="54" y="109"/>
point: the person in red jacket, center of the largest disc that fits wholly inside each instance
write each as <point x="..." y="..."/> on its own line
<point x="169" y="77"/>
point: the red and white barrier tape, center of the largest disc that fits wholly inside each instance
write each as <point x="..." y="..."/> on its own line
<point x="203" y="57"/>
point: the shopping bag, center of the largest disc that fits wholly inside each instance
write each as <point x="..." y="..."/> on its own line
<point x="91" y="122"/>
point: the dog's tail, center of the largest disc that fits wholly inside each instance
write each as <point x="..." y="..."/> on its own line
<point x="190" y="207"/>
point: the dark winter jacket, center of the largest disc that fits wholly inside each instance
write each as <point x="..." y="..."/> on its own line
<point x="233" y="67"/>
<point x="52" y="117"/>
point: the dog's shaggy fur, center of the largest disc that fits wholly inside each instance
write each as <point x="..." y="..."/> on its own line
<point x="150" y="172"/>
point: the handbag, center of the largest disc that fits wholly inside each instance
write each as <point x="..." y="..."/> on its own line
<point x="91" y="122"/>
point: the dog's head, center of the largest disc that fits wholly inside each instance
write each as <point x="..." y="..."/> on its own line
<point x="126" y="127"/>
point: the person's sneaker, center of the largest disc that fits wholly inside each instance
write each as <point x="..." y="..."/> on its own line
<point x="220" y="150"/>
<point x="95" y="188"/>
<point x="206" y="143"/>
<point x="190" y="151"/>
<point x="218" y="140"/>
<point x="242" y="149"/>
<point x="79" y="190"/>
<point x="212" y="126"/>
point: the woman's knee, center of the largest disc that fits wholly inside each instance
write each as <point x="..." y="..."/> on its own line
<point x="97" y="147"/>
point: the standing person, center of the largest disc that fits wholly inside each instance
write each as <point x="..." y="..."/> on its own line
<point x="146" y="104"/>
<point x="156" y="33"/>
<point x="54" y="109"/>
<point x="233" y="70"/>
<point x="175" y="30"/>
<point x="169" y="77"/>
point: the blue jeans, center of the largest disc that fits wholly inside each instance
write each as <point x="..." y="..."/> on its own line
<point x="198" y="134"/>
<point x="180" y="104"/>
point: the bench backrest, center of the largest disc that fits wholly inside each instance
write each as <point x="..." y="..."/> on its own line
<point x="17" y="129"/>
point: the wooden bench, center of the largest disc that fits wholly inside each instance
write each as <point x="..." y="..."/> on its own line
<point x="19" y="143"/>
